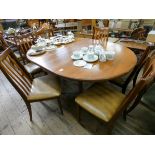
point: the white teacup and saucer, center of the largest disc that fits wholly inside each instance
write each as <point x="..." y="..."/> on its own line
<point x="90" y="57"/>
<point x="77" y="55"/>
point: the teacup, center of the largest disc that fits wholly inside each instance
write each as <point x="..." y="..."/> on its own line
<point x="110" y="55"/>
<point x="90" y="55"/>
<point x="77" y="54"/>
<point x="84" y="49"/>
<point x="91" y="48"/>
<point x="102" y="57"/>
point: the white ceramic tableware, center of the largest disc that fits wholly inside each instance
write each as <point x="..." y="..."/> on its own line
<point x="110" y="55"/>
<point x="87" y="58"/>
<point x="84" y="50"/>
<point x="79" y="63"/>
<point x="77" y="55"/>
<point x="90" y="55"/>
<point x="102" y="57"/>
<point x="91" y="48"/>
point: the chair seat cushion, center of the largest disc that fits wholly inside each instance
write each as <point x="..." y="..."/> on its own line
<point x="102" y="100"/>
<point x="44" y="87"/>
<point x="32" y="68"/>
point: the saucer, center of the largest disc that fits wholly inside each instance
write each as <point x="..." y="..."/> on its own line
<point x="79" y="63"/>
<point x="90" y="60"/>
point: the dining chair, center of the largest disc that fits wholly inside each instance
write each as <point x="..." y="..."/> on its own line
<point x="124" y="81"/>
<point x="147" y="96"/>
<point x="101" y="35"/>
<point x="23" y="44"/>
<point x="138" y="34"/>
<point x="3" y="43"/>
<point x="45" y="31"/>
<point x="31" y="90"/>
<point x="106" y="22"/>
<point x="105" y="102"/>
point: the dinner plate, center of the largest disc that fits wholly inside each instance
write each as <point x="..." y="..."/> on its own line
<point x="79" y="63"/>
<point x="90" y="60"/>
<point x="32" y="52"/>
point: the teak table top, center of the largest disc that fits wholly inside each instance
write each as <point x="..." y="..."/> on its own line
<point x="60" y="63"/>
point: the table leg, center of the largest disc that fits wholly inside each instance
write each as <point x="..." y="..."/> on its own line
<point x="80" y="87"/>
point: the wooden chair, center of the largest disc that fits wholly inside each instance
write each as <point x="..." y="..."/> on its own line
<point x="42" y="88"/>
<point x="45" y="31"/>
<point x="148" y="94"/>
<point x="23" y="44"/>
<point x="148" y="98"/>
<point x="3" y="43"/>
<point x="106" y="103"/>
<point x="126" y="79"/>
<point x="101" y="34"/>
<point x="106" y="22"/>
<point x="138" y="34"/>
<point x="31" y="22"/>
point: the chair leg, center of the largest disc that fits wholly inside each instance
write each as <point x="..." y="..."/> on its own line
<point x="29" y="110"/>
<point x="60" y="105"/>
<point x="132" y="107"/>
<point x="134" y="80"/>
<point x="78" y="113"/>
<point x="109" y="129"/>
<point x="124" y="114"/>
<point x="123" y="89"/>
<point x="136" y="102"/>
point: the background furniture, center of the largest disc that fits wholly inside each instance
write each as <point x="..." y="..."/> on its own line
<point x="101" y="35"/>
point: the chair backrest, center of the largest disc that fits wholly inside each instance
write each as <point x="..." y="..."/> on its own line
<point x="46" y="30"/>
<point x="143" y="84"/>
<point x="101" y="34"/>
<point x="148" y="63"/>
<point x="3" y="43"/>
<point x="15" y="73"/>
<point x="106" y="22"/>
<point x="31" y="22"/>
<point x="138" y="33"/>
<point x="24" y="43"/>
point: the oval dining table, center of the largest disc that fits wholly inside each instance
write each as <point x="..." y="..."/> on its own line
<point x="60" y="63"/>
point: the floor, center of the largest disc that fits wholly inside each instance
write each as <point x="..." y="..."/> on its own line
<point x="14" y="118"/>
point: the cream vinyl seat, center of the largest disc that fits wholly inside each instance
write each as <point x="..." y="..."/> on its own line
<point x="44" y="87"/>
<point x="101" y="100"/>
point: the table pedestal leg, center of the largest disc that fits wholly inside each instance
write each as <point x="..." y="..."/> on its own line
<point x="80" y="87"/>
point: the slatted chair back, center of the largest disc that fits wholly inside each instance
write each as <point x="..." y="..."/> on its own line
<point x="143" y="84"/>
<point x="15" y="73"/>
<point x="148" y="61"/>
<point x="3" y="43"/>
<point x="106" y="22"/>
<point x="45" y="32"/>
<point x="138" y="33"/>
<point x="101" y="34"/>
<point x="24" y="43"/>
